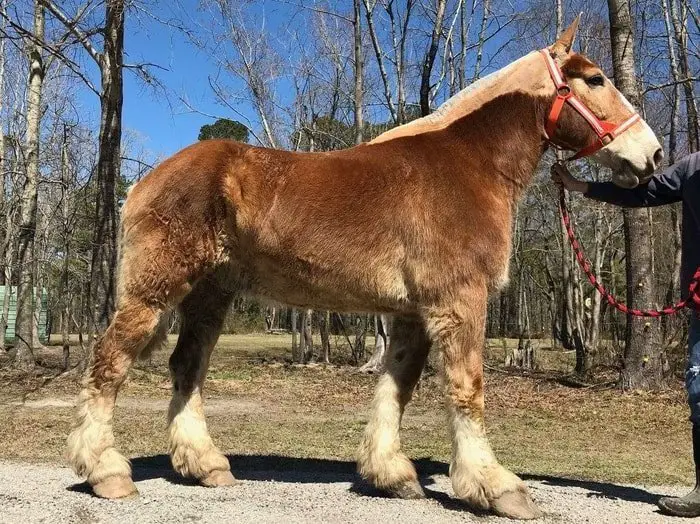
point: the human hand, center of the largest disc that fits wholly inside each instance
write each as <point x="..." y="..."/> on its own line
<point x="560" y="175"/>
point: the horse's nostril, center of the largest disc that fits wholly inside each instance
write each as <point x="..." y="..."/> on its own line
<point x="658" y="157"/>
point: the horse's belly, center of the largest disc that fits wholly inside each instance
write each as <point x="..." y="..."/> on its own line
<point x="322" y="284"/>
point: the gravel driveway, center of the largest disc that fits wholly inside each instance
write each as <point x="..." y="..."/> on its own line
<point x="297" y="490"/>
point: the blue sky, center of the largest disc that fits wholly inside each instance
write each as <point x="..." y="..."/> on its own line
<point x="166" y="125"/>
<point x="162" y="122"/>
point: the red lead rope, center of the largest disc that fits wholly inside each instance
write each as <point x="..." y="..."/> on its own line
<point x="692" y="301"/>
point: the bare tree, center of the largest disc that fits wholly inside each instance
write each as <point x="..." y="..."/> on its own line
<point x="359" y="71"/>
<point x="678" y="16"/>
<point x="643" y="366"/>
<point x="296" y="347"/>
<point x="325" y="329"/>
<point x="24" y="356"/>
<point x="307" y="341"/>
<point x="110" y="63"/>
<point x="429" y="59"/>
<point x="4" y="205"/>
<point x="485" y="8"/>
<point x="398" y="25"/>
<point x="673" y="286"/>
<point x="64" y="295"/>
<point x="379" y="55"/>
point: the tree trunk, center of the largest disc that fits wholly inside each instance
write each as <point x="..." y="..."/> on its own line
<point x="679" y="20"/>
<point x="296" y="347"/>
<point x="430" y="59"/>
<point x="104" y="253"/>
<point x="325" y="326"/>
<point x="63" y="292"/>
<point x="560" y="17"/>
<point x="270" y="317"/>
<point x="503" y="314"/>
<point x="4" y="206"/>
<point x="486" y="6"/>
<point x="37" y="311"/>
<point x="379" y="55"/>
<point x="359" y="72"/>
<point x="399" y="44"/>
<point x="381" y="342"/>
<point x="463" y="37"/>
<point x="595" y="304"/>
<point x="307" y="351"/>
<point x="8" y="251"/>
<point x="643" y="366"/>
<point x="5" y="302"/>
<point x="673" y="285"/>
<point x="361" y="323"/>
<point x="24" y="356"/>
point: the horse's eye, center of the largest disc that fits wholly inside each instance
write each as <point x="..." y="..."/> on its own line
<point x="596" y="81"/>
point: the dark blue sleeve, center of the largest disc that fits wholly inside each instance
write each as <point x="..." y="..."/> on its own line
<point x="664" y="188"/>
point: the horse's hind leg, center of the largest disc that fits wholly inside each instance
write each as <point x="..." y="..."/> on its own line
<point x="91" y="449"/>
<point x="192" y="451"/>
<point x="457" y="330"/>
<point x="380" y="459"/>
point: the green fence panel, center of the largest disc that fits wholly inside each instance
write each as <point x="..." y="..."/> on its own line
<point x="12" y="314"/>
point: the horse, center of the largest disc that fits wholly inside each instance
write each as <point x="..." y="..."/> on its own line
<point x="221" y="218"/>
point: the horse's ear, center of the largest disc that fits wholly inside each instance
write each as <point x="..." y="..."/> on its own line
<point x="566" y="40"/>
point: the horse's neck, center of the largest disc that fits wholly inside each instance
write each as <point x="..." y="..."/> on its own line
<point x="519" y="76"/>
<point x="491" y="129"/>
<point x="500" y="142"/>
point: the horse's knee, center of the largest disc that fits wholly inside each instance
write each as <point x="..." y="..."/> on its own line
<point x="128" y="334"/>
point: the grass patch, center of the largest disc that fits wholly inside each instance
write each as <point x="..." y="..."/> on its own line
<point x="258" y="404"/>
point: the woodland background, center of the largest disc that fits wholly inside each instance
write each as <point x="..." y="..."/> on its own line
<point x="316" y="76"/>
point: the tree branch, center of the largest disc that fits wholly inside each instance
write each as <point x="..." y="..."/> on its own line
<point x="673" y="83"/>
<point x="53" y="51"/>
<point x="72" y="26"/>
<point x="316" y="10"/>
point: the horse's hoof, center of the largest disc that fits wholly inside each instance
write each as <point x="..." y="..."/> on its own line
<point x="516" y="505"/>
<point x="219" y="478"/>
<point x="408" y="490"/>
<point x="116" y="488"/>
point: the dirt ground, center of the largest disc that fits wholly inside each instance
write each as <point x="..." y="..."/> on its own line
<point x="291" y="432"/>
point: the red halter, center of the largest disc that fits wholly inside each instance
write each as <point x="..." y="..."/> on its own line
<point x="606" y="131"/>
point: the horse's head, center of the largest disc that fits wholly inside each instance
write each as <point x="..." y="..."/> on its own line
<point x="597" y="120"/>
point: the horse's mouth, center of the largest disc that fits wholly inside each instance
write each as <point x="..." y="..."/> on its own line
<point x="627" y="181"/>
<point x="626" y="177"/>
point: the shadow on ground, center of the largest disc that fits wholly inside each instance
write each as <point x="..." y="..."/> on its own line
<point x="599" y="489"/>
<point x="311" y="470"/>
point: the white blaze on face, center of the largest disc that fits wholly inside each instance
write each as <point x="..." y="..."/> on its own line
<point x="633" y="155"/>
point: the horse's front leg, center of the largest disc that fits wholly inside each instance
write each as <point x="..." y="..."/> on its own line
<point x="380" y="459"/>
<point x="457" y="331"/>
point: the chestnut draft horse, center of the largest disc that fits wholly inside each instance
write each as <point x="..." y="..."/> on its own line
<point x="221" y="218"/>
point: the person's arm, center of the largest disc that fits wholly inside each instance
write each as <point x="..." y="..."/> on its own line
<point x="664" y="188"/>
